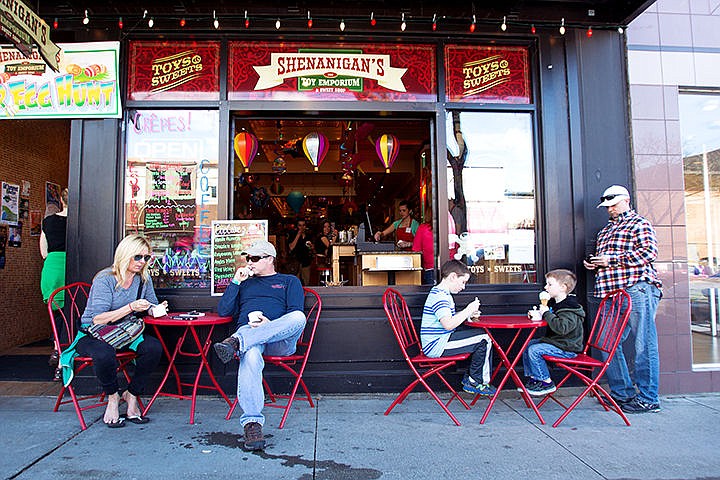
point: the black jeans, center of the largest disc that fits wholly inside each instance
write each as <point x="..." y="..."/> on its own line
<point x="105" y="363"/>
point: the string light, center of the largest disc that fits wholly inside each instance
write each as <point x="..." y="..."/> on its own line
<point x="182" y="22"/>
<point x="503" y="27"/>
<point x="472" y="25"/>
<point x="342" y="25"/>
<point x="434" y="25"/>
<point x="562" y="27"/>
<point x="216" y="22"/>
<point x="55" y="23"/>
<point x="120" y="23"/>
<point x="532" y="29"/>
<point x="589" y="32"/>
<point x="309" y="22"/>
<point x="247" y="20"/>
<point x="373" y="22"/>
<point x="621" y="30"/>
<point x="277" y="24"/>
<point x="86" y="19"/>
<point x="151" y="22"/>
<point x="403" y="25"/>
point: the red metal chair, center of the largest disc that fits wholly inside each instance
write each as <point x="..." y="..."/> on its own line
<point x="606" y="333"/>
<point x="293" y="364"/>
<point x="422" y="367"/>
<point x="68" y="317"/>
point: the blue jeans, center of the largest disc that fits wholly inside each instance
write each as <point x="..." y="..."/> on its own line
<point x="278" y="337"/>
<point x="534" y="364"/>
<point x="645" y="298"/>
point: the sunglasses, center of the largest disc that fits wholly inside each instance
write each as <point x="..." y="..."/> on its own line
<point x="608" y="197"/>
<point x="256" y="258"/>
<point x="137" y="258"/>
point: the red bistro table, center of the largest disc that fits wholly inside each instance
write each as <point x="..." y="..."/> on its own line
<point x="519" y="323"/>
<point x="189" y="326"/>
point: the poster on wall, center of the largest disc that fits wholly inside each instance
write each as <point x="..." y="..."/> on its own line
<point x="229" y="239"/>
<point x="24" y="210"/>
<point x="10" y="203"/>
<point x="35" y="223"/>
<point x="53" y="204"/>
<point x="15" y="235"/>
<point x="25" y="188"/>
<point x="86" y="85"/>
<point x="3" y="242"/>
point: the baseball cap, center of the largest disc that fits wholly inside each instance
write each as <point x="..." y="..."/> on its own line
<point x="613" y="195"/>
<point x="260" y="248"/>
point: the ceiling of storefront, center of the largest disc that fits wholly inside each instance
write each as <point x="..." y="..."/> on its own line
<point x="417" y="13"/>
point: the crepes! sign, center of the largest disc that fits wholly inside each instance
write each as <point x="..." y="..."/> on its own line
<point x="23" y="28"/>
<point x="85" y="87"/>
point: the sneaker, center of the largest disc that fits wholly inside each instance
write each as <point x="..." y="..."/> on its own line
<point x="226" y="349"/>
<point x="638" y="406"/>
<point x="537" y="388"/>
<point x="622" y="402"/>
<point x="254" y="439"/>
<point x="477" y="388"/>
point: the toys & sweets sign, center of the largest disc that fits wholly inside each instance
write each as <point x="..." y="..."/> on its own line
<point x="85" y="87"/>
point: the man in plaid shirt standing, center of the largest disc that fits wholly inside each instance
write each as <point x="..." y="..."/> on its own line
<point x="624" y="254"/>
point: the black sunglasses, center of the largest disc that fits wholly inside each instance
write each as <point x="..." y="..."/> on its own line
<point x="609" y="197"/>
<point x="256" y="258"/>
<point x="137" y="258"/>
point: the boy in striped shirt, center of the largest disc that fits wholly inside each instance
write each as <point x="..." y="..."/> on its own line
<point x="442" y="332"/>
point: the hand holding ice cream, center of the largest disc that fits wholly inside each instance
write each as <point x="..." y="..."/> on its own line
<point x="544" y="298"/>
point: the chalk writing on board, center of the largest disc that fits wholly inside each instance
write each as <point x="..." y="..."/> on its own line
<point x="229" y="239"/>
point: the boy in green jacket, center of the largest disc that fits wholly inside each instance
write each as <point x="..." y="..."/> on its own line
<point x="564" y="335"/>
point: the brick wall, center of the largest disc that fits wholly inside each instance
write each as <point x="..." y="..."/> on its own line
<point x="36" y="151"/>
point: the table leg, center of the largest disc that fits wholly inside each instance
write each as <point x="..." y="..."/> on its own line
<point x="171" y="367"/>
<point x="203" y="348"/>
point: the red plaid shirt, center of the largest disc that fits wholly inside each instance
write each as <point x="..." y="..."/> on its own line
<point x="630" y="242"/>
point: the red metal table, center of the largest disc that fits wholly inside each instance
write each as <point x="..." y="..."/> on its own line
<point x="189" y="326"/>
<point x="521" y="323"/>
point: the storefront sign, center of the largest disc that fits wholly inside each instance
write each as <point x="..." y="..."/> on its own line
<point x="174" y="71"/>
<point x="487" y="74"/>
<point x="23" y="27"/>
<point x="287" y="71"/>
<point x="86" y="86"/>
<point x="229" y="239"/>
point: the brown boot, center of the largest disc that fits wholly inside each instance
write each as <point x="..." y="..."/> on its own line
<point x="254" y="439"/>
<point x="226" y="349"/>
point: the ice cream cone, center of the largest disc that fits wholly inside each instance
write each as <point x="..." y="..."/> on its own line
<point x="544" y="298"/>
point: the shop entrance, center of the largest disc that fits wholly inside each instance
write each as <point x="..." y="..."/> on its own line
<point x="337" y="181"/>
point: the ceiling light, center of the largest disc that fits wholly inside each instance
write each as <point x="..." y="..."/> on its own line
<point x="503" y="27"/>
<point x="403" y="25"/>
<point x="562" y="27"/>
<point x="86" y="19"/>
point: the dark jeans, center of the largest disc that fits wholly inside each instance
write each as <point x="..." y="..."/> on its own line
<point x="105" y="363"/>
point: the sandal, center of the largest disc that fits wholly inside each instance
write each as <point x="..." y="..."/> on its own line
<point x="136" y="419"/>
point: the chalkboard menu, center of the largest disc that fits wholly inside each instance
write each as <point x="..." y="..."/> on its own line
<point x="164" y="214"/>
<point x="229" y="239"/>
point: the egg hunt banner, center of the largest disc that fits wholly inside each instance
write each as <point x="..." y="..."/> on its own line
<point x="478" y="74"/>
<point x="174" y="70"/>
<point x="342" y="72"/>
<point x="86" y="85"/>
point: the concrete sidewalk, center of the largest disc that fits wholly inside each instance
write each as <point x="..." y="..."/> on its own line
<point x="348" y="437"/>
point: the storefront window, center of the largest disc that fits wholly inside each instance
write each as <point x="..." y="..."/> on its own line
<point x="701" y="168"/>
<point x="491" y="191"/>
<point x="171" y="182"/>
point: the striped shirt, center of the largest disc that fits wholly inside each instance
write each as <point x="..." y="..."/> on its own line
<point x="433" y="336"/>
<point x="630" y="242"/>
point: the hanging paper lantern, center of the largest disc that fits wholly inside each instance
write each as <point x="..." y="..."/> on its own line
<point x="315" y="145"/>
<point x="295" y="199"/>
<point x="279" y="166"/>
<point x="387" y="148"/>
<point x="246" y="147"/>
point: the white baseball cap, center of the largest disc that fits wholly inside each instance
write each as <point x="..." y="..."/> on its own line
<point x="261" y="248"/>
<point x="613" y="195"/>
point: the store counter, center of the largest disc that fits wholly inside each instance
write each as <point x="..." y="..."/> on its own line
<point x="391" y="268"/>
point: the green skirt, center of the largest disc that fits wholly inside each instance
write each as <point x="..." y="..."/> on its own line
<point x="53" y="277"/>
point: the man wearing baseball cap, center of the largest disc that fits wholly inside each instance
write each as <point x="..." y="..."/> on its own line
<point x="268" y="309"/>
<point x="624" y="254"/>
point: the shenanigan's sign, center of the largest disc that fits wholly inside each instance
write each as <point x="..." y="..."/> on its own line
<point x="22" y="27"/>
<point x="85" y="87"/>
